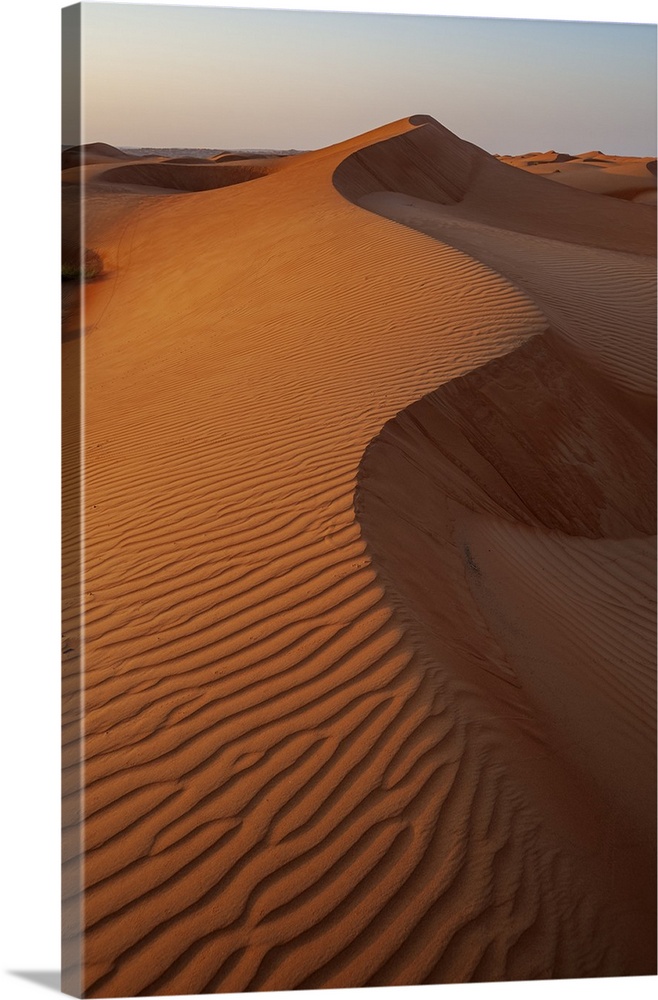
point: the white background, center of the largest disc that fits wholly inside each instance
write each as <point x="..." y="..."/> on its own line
<point x="29" y="640"/>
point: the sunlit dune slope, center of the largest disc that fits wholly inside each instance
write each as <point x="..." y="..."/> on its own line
<point x="602" y="303"/>
<point x="301" y="768"/>
<point x="630" y="177"/>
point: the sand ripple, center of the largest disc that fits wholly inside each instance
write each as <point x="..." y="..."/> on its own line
<point x="294" y="774"/>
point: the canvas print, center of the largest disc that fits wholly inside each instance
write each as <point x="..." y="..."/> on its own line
<point x="359" y="386"/>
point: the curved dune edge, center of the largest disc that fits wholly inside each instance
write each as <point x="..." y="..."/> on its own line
<point x="477" y="187"/>
<point x="551" y="632"/>
<point x="282" y="790"/>
<point x="174" y="174"/>
<point x="519" y="485"/>
<point x="185" y="176"/>
<point x="601" y="303"/>
<point x="527" y="459"/>
<point x="167" y="175"/>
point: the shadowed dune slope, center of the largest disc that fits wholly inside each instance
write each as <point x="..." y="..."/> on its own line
<point x="602" y="303"/>
<point x="92" y="152"/>
<point x="428" y="162"/>
<point x="240" y="155"/>
<point x="434" y="164"/>
<point x="185" y="176"/>
<point x="189" y="159"/>
<point x="522" y="463"/>
<point x="101" y="149"/>
<point x="536" y="476"/>
<point x="291" y="781"/>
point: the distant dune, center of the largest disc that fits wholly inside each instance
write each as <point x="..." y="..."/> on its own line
<point x="185" y="173"/>
<point x="630" y="177"/>
<point x="184" y="177"/>
<point x="93" y="152"/>
<point x="226" y="157"/>
<point x="369" y="599"/>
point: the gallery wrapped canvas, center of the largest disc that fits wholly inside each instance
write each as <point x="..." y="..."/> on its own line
<point x="359" y="473"/>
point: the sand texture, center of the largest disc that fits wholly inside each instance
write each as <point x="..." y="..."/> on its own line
<point x="630" y="177"/>
<point x="368" y="575"/>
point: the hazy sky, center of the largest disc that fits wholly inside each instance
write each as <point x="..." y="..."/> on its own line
<point x="221" y="78"/>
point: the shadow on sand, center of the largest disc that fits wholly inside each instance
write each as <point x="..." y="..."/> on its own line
<point x="49" y="979"/>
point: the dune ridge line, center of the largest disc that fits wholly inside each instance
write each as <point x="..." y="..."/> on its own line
<point x="300" y="771"/>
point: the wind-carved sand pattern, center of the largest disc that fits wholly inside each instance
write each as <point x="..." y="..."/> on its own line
<point x="318" y="751"/>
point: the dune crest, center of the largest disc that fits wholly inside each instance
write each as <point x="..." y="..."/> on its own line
<point x="290" y="780"/>
<point x="492" y="197"/>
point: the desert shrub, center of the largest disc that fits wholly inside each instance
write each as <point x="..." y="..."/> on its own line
<point x="81" y="266"/>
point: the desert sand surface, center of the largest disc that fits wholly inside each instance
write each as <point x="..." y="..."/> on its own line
<point x="367" y="633"/>
<point x="629" y="177"/>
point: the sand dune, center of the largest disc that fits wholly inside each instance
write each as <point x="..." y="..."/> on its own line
<point x="585" y="292"/>
<point x="92" y="152"/>
<point x="246" y="155"/>
<point x="368" y="577"/>
<point x="168" y="174"/>
<point x="630" y="177"/>
<point x="186" y="177"/>
<point x="189" y="159"/>
<point x="512" y="470"/>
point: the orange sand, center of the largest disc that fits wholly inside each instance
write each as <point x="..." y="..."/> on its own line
<point x="630" y="177"/>
<point x="368" y="574"/>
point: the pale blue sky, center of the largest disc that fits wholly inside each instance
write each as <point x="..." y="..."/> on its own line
<point x="204" y="76"/>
